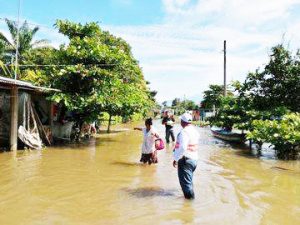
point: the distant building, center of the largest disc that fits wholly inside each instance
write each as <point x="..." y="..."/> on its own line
<point x="206" y="113"/>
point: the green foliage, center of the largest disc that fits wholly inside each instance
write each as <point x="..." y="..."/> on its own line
<point x="190" y="105"/>
<point x="104" y="117"/>
<point x="39" y="75"/>
<point x="26" y="41"/>
<point x="96" y="71"/>
<point x="264" y="101"/>
<point x="180" y="107"/>
<point x="283" y="134"/>
<point x="213" y="96"/>
<point x="235" y="112"/>
<point x="201" y="123"/>
<point x="5" y="70"/>
<point x="165" y="103"/>
<point x="176" y="102"/>
<point x="228" y="114"/>
<point x="264" y="94"/>
<point x="152" y="94"/>
<point x="2" y="48"/>
<point x="277" y="85"/>
<point x="102" y="75"/>
<point x="137" y="117"/>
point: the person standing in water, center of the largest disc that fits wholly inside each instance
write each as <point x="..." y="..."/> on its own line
<point x="149" y="153"/>
<point x="168" y="121"/>
<point x="186" y="155"/>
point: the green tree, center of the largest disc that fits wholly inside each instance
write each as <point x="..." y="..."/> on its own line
<point x="2" y="48"/>
<point x="189" y="105"/>
<point x="8" y="45"/>
<point x="229" y="113"/>
<point x="277" y="85"/>
<point x="177" y="106"/>
<point x="236" y="112"/>
<point x="213" y="96"/>
<point x="180" y="107"/>
<point x="101" y="76"/>
<point x="39" y="57"/>
<point x="165" y="103"/>
<point x="176" y="102"/>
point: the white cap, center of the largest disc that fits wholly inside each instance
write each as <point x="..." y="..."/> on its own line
<point x="186" y="117"/>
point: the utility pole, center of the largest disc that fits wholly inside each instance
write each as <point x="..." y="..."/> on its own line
<point x="225" y="87"/>
<point x="18" y="40"/>
<point x="14" y="100"/>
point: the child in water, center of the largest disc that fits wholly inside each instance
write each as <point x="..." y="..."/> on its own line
<point x="149" y="154"/>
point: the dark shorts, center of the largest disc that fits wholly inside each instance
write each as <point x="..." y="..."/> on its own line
<point x="149" y="158"/>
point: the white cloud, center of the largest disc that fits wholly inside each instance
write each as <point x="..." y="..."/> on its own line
<point x="51" y="34"/>
<point x="182" y="55"/>
<point x="255" y="11"/>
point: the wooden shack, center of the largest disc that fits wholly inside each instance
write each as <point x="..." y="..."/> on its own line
<point x="23" y="104"/>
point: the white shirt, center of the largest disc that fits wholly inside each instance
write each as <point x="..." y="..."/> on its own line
<point x="148" y="145"/>
<point x="187" y="143"/>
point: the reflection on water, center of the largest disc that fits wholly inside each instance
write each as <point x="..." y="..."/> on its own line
<point x="102" y="182"/>
<point x="149" y="192"/>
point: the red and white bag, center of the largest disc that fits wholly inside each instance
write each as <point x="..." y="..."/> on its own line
<point x="159" y="144"/>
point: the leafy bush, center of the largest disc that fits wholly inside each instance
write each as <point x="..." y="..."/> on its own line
<point x="201" y="123"/>
<point x="234" y="112"/>
<point x="283" y="134"/>
<point x="103" y="119"/>
<point x="229" y="114"/>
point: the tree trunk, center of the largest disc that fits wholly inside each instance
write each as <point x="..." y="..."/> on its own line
<point x="109" y="124"/>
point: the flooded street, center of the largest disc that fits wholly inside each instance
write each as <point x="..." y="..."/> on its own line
<point x="101" y="182"/>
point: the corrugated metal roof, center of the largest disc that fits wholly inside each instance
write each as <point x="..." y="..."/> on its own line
<point x="24" y="84"/>
<point x="5" y="80"/>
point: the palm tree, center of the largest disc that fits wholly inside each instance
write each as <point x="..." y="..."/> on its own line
<point x="26" y="34"/>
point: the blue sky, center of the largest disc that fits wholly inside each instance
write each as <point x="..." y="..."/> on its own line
<point x="178" y="42"/>
<point x="117" y="12"/>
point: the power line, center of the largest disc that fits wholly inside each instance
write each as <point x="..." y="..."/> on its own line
<point x="52" y="28"/>
<point x="64" y="65"/>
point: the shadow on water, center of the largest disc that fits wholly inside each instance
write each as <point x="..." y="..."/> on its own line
<point x="257" y="154"/>
<point x="243" y="149"/>
<point x="149" y="192"/>
<point x="105" y="139"/>
<point x="112" y="131"/>
<point x="3" y="151"/>
<point x="126" y="164"/>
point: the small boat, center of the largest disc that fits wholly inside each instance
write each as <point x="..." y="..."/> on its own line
<point x="228" y="135"/>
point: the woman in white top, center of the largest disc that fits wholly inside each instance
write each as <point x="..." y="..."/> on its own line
<point x="149" y="154"/>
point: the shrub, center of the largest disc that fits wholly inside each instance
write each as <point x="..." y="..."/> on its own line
<point x="283" y="134"/>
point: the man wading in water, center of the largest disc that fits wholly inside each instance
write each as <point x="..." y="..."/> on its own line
<point x="149" y="153"/>
<point x="186" y="155"/>
<point x="168" y="121"/>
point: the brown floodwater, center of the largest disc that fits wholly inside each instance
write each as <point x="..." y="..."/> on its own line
<point x="102" y="182"/>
